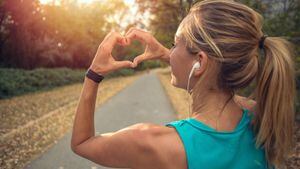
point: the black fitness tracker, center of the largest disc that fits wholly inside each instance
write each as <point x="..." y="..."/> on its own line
<point x="94" y="76"/>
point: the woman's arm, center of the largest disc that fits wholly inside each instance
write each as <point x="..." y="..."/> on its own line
<point x="83" y="127"/>
<point x="103" y="63"/>
<point x="129" y="147"/>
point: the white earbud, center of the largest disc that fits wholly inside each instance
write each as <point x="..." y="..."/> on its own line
<point x="195" y="66"/>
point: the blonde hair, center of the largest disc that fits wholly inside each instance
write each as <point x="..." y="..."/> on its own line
<point x="229" y="33"/>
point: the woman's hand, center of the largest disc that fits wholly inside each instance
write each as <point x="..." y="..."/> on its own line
<point x="103" y="62"/>
<point x="153" y="50"/>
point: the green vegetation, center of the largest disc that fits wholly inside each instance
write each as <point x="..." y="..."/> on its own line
<point x="14" y="82"/>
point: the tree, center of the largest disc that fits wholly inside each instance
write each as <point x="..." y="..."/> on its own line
<point x="35" y="35"/>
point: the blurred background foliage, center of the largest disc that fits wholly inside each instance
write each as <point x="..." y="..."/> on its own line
<point x="65" y="34"/>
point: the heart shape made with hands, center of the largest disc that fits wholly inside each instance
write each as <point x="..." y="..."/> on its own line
<point x="153" y="49"/>
<point x="131" y="50"/>
<point x="142" y="47"/>
<point x="104" y="62"/>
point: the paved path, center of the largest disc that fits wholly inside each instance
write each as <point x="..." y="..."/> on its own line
<point x="142" y="101"/>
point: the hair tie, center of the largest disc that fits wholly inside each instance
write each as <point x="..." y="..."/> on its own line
<point x="261" y="41"/>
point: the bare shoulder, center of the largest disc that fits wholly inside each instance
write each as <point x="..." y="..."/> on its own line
<point x="166" y="145"/>
<point x="151" y="128"/>
<point x="155" y="132"/>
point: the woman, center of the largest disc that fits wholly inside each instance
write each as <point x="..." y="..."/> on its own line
<point x="216" y="52"/>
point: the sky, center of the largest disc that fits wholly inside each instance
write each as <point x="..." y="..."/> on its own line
<point x="131" y="17"/>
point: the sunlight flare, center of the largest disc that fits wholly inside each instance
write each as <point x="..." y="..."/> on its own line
<point x="81" y="1"/>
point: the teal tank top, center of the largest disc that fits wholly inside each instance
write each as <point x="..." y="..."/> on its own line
<point x="207" y="148"/>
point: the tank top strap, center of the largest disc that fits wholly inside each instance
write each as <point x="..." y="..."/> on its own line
<point x="184" y="132"/>
<point x="175" y="123"/>
<point x="251" y="114"/>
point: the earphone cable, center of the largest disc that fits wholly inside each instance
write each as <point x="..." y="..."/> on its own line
<point x="188" y="90"/>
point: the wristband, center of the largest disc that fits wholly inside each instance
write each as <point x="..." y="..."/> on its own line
<point x="94" y="76"/>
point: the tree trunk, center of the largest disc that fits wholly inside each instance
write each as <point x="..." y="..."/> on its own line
<point x="182" y="9"/>
<point x="190" y="3"/>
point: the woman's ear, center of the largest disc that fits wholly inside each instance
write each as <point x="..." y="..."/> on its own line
<point x="202" y="58"/>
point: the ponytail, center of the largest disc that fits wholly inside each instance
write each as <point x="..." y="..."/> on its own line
<point x="275" y="95"/>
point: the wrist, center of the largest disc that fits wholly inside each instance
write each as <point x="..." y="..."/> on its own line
<point x="166" y="55"/>
<point x="92" y="75"/>
<point x="90" y="81"/>
<point x="98" y="70"/>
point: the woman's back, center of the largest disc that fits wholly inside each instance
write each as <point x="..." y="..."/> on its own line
<point x="207" y="148"/>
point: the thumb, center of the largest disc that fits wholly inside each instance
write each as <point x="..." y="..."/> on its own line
<point x="138" y="59"/>
<point x="123" y="64"/>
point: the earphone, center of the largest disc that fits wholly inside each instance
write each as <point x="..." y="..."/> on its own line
<point x="195" y="66"/>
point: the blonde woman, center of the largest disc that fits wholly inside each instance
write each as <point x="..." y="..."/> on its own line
<point x="216" y="52"/>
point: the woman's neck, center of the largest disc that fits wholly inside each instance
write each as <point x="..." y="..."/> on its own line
<point x="212" y="102"/>
<point x="217" y="110"/>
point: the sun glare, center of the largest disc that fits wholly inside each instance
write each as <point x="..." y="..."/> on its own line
<point x="84" y="1"/>
<point x="79" y="1"/>
<point x="130" y="17"/>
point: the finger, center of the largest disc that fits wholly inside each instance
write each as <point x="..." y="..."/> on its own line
<point x="134" y="35"/>
<point x="128" y="41"/>
<point x="138" y="60"/>
<point x="117" y="38"/>
<point x="123" y="64"/>
<point x="135" y="29"/>
<point x="112" y="38"/>
<point x="137" y="34"/>
<point x="129" y="31"/>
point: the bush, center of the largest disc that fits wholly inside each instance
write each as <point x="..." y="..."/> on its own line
<point x="15" y="82"/>
<point x="149" y="64"/>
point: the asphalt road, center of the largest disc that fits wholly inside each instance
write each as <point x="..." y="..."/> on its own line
<point x="142" y="101"/>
